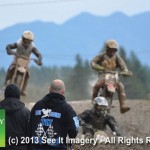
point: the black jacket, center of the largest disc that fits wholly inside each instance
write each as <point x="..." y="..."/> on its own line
<point x="17" y="117"/>
<point x="91" y="121"/>
<point x="52" y="118"/>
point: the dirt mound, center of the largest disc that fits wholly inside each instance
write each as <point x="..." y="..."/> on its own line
<point x="134" y="124"/>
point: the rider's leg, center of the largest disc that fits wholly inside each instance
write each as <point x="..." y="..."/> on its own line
<point x="122" y="97"/>
<point x="7" y="77"/>
<point x="9" y="74"/>
<point x="96" y="89"/>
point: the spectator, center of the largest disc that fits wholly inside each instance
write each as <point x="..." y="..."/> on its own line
<point x="52" y="118"/>
<point x="17" y="117"/>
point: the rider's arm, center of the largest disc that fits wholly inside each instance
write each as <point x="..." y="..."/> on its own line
<point x="96" y="63"/>
<point x="84" y="118"/>
<point x="121" y="64"/>
<point x="85" y="123"/>
<point x="71" y="122"/>
<point x="111" y="122"/>
<point x="37" y="54"/>
<point x="9" y="48"/>
<point x="124" y="70"/>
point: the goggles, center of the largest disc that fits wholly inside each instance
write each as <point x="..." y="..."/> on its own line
<point x="100" y="107"/>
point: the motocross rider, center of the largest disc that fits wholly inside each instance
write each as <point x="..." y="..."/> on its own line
<point x="24" y="47"/>
<point x="97" y="119"/>
<point x="110" y="61"/>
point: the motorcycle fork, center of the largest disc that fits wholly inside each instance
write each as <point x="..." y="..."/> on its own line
<point x="14" y="75"/>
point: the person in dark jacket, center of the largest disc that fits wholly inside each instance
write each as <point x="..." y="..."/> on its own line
<point x="17" y="117"/>
<point x="52" y="119"/>
<point x="97" y="119"/>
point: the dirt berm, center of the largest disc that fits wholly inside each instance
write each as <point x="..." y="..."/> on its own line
<point x="135" y="125"/>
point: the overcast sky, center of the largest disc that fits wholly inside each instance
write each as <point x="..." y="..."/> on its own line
<point x="58" y="11"/>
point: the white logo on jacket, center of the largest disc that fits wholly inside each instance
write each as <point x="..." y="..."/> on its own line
<point x="46" y="112"/>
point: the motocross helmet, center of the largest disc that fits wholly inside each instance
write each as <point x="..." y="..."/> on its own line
<point x="28" y="35"/>
<point x="111" y="47"/>
<point x="27" y="38"/>
<point x="111" y="44"/>
<point x="100" y="105"/>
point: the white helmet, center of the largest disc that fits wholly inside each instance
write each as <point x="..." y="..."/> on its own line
<point x="100" y="101"/>
<point x="111" y="44"/>
<point x="28" y="35"/>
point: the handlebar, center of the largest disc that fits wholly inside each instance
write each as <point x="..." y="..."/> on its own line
<point x="124" y="73"/>
<point x="37" y="61"/>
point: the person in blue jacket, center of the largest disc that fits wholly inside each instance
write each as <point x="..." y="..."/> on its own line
<point x="52" y="119"/>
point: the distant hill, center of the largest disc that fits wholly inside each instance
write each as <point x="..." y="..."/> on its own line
<point x="84" y="34"/>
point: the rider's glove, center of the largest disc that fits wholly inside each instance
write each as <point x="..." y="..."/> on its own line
<point x="117" y="133"/>
<point x="126" y="73"/>
<point x="99" y="68"/>
<point x="38" y="62"/>
<point x="114" y="133"/>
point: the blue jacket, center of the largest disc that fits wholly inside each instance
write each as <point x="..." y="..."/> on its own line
<point x="52" y="119"/>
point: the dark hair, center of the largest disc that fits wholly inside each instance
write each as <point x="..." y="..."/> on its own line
<point x="12" y="90"/>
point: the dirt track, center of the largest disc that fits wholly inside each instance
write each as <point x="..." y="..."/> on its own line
<point x="135" y="124"/>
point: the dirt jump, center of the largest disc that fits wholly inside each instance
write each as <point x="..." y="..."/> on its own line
<point x="134" y="124"/>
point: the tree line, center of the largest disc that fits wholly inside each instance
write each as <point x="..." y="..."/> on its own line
<point x="80" y="79"/>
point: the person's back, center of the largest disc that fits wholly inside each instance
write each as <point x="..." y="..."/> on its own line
<point x="52" y="119"/>
<point x="17" y="117"/>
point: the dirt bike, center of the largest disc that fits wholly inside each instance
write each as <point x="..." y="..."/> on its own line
<point x="21" y="71"/>
<point x="109" y="85"/>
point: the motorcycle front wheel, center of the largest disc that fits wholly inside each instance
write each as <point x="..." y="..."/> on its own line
<point x="19" y="80"/>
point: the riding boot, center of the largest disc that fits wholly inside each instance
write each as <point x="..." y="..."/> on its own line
<point x="123" y="108"/>
<point x="7" y="77"/>
<point x="122" y="97"/>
